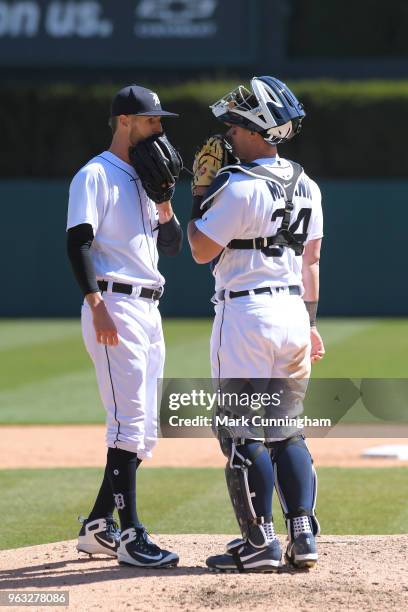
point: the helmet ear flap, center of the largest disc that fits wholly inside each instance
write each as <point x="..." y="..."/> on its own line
<point x="284" y="133"/>
<point x="280" y="134"/>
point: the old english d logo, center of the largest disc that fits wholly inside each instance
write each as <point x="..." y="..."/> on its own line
<point x="119" y="501"/>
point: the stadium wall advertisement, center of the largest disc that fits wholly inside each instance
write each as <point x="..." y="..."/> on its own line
<point x="96" y="33"/>
<point x="295" y="38"/>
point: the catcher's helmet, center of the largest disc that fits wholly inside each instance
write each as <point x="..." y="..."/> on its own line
<point x="270" y="109"/>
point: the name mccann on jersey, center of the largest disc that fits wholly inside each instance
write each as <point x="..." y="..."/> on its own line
<point x="254" y="421"/>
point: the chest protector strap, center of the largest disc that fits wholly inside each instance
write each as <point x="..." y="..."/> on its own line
<point x="284" y="236"/>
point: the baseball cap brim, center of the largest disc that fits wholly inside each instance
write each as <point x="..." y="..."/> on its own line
<point x="158" y="113"/>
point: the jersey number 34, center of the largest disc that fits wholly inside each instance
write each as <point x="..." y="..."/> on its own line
<point x="303" y="217"/>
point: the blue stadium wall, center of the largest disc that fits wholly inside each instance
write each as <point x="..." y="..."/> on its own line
<point x="363" y="264"/>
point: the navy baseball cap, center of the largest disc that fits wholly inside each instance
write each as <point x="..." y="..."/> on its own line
<point x="136" y="100"/>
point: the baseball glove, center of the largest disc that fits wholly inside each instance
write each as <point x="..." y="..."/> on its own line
<point x="215" y="153"/>
<point x="158" y="165"/>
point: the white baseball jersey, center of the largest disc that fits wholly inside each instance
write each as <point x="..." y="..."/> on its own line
<point x="108" y="194"/>
<point x="246" y="208"/>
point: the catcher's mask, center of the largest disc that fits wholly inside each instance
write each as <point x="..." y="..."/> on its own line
<point x="270" y="109"/>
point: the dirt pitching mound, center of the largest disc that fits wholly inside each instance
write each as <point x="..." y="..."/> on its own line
<point x="354" y="573"/>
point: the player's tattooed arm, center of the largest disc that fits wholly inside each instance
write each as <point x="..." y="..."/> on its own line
<point x="311" y="308"/>
<point x="310" y="275"/>
<point x="310" y="278"/>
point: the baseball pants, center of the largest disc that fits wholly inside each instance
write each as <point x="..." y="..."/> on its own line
<point x="127" y="374"/>
<point x="261" y="338"/>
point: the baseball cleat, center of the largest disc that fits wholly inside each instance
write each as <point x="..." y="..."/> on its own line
<point x="301" y="552"/>
<point x="136" y="548"/>
<point x="101" y="536"/>
<point x="241" y="556"/>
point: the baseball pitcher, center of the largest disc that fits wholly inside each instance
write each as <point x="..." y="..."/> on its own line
<point x="119" y="218"/>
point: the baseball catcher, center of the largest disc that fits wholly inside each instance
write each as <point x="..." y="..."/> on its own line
<point x="259" y="222"/>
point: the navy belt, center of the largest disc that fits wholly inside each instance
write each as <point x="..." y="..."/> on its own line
<point x="292" y="289"/>
<point x="145" y="292"/>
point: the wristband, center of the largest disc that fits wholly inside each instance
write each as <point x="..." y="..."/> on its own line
<point x="311" y="308"/>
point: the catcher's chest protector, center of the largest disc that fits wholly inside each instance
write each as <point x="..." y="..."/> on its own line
<point x="284" y="237"/>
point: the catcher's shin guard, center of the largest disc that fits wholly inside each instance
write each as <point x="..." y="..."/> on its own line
<point x="280" y="452"/>
<point x="236" y="473"/>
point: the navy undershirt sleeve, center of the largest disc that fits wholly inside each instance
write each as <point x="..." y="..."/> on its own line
<point x="170" y="238"/>
<point x="79" y="241"/>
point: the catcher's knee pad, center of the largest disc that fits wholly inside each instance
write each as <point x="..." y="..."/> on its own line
<point x="276" y="448"/>
<point x="236" y="474"/>
<point x="309" y="509"/>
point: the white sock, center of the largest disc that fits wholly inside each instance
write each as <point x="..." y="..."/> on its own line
<point x="300" y="524"/>
<point x="269" y="532"/>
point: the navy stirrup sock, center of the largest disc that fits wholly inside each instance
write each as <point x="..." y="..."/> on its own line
<point x="121" y="469"/>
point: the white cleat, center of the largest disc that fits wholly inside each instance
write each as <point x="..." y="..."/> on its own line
<point x="136" y="548"/>
<point x="100" y="537"/>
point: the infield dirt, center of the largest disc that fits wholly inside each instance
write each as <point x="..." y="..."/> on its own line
<point x="42" y="446"/>
<point x="354" y="573"/>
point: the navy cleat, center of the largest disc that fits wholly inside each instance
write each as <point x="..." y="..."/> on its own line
<point x="101" y="536"/>
<point x="301" y="551"/>
<point x="241" y="556"/>
<point x="136" y="548"/>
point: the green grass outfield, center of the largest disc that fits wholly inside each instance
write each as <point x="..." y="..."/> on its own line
<point x="40" y="506"/>
<point x="46" y="375"/>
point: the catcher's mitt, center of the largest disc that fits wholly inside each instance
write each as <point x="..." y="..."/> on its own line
<point x="158" y="165"/>
<point x="215" y="153"/>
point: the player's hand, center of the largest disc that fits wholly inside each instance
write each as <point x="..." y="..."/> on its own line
<point x="105" y="329"/>
<point x="317" y="347"/>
